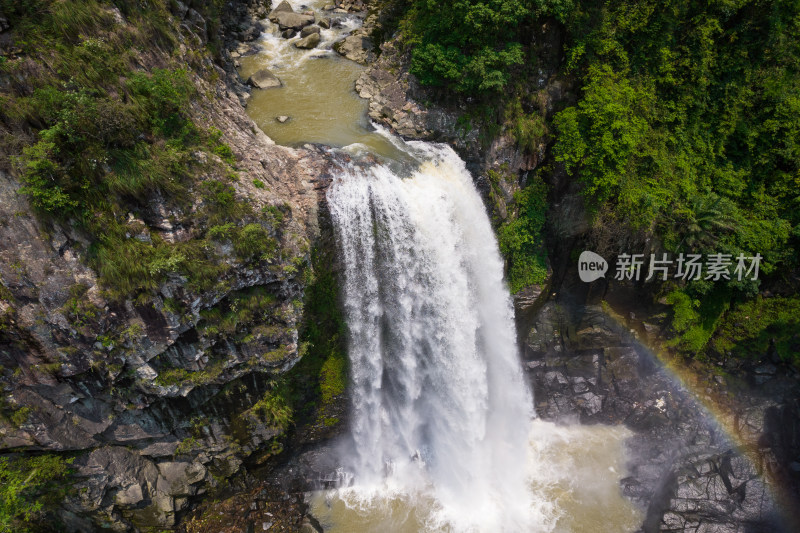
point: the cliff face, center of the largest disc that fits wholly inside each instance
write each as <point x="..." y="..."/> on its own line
<point x="158" y="395"/>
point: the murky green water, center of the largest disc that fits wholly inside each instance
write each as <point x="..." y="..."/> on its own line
<point x="318" y="92"/>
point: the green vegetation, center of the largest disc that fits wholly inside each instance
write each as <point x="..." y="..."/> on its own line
<point x="691" y="133"/>
<point x="273" y="408"/>
<point x="28" y="487"/>
<point x="469" y="46"/>
<point x="79" y="310"/>
<point x="307" y="393"/>
<point x="108" y="139"/>
<point x="181" y="376"/>
<point x="761" y="326"/>
<point x="240" y="310"/>
<point x="521" y="236"/>
<point x="321" y="374"/>
<point x="685" y="126"/>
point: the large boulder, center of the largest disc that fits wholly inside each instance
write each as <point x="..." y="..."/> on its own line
<point x="295" y="21"/>
<point x="283" y="7"/>
<point x="264" y="79"/>
<point x="308" y="42"/>
<point x="358" y="48"/>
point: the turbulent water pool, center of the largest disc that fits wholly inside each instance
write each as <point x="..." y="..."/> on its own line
<point x="443" y="436"/>
<point x="574" y="488"/>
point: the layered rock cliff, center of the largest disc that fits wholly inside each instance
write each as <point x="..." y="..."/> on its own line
<point x="159" y="395"/>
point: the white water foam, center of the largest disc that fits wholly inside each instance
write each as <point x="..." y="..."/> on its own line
<point x="440" y="407"/>
<point x="282" y="54"/>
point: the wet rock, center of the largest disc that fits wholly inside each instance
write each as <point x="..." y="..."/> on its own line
<point x="289" y="33"/>
<point x="264" y="79"/>
<point x="308" y="30"/>
<point x="310" y="526"/>
<point x="295" y="21"/>
<point x="283" y="119"/>
<point x="179" y="9"/>
<point x="590" y="403"/>
<point x="528" y="297"/>
<point x="324" y="23"/>
<point x="767" y="369"/>
<point x="311" y="41"/>
<point x="251" y="33"/>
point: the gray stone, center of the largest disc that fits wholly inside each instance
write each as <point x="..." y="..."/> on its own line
<point x="324" y="23"/>
<point x="357" y="48"/>
<point x="293" y="20"/>
<point x="288" y="33"/>
<point x="308" y="30"/>
<point x="283" y="119"/>
<point x="197" y="24"/>
<point x="264" y="79"/>
<point x="179" y="9"/>
<point x="283" y="7"/>
<point x="308" y="42"/>
<point x="176" y="478"/>
<point x="130" y="496"/>
<point x="766" y="369"/>
<point x="590" y="403"/>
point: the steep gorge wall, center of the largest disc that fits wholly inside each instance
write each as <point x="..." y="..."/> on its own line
<point x="159" y="398"/>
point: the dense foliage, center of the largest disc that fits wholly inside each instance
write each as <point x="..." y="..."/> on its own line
<point x="27" y="487"/>
<point x="96" y="140"/>
<point x="521" y="235"/>
<point x="686" y="125"/>
<point x="470" y="46"/>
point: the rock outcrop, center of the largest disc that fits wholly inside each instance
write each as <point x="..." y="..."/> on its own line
<point x="154" y="406"/>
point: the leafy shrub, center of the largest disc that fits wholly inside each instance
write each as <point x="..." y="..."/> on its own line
<point x="254" y="243"/>
<point x="521" y="238"/>
<point x="274" y="408"/>
<point x="752" y="329"/>
<point x="28" y="486"/>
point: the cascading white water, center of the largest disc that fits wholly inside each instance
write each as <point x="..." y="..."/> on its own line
<point x="439" y="402"/>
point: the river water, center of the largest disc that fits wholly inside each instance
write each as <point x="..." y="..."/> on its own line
<point x="443" y="435"/>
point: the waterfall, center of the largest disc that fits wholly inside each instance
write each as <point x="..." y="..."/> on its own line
<point x="439" y="404"/>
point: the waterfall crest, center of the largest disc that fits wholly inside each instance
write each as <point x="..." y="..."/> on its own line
<point x="439" y="402"/>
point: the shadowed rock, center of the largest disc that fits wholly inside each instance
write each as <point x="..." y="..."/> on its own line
<point x="308" y="30"/>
